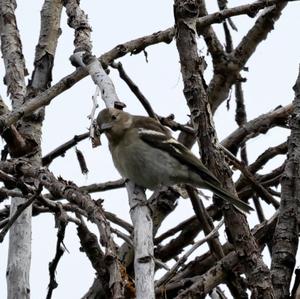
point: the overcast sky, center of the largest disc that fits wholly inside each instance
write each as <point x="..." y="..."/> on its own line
<point x="272" y="73"/>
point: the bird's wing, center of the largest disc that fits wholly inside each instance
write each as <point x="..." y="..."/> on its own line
<point x="185" y="156"/>
<point x="150" y="124"/>
<point x="177" y="150"/>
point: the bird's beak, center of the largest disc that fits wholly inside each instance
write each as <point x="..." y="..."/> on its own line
<point x="104" y="127"/>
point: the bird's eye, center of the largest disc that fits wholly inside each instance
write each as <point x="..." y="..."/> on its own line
<point x="113" y="117"/>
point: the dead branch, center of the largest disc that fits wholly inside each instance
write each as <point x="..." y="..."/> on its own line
<point x="259" y="125"/>
<point x="20" y="209"/>
<point x="206" y="222"/>
<point x="61" y="150"/>
<point x="61" y="223"/>
<point x="184" y="258"/>
<point x="285" y="240"/>
<point x="135" y="89"/>
<point x="251" y="178"/>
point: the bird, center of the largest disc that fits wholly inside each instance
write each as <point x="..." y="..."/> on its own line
<point x="144" y="151"/>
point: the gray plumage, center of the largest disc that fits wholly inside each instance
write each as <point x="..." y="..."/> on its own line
<point x="145" y="152"/>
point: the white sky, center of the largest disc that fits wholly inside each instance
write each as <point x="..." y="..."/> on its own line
<point x="272" y="73"/>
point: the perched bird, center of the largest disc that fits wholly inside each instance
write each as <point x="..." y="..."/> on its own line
<point x="145" y="152"/>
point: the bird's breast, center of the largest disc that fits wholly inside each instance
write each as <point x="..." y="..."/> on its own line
<point x="146" y="166"/>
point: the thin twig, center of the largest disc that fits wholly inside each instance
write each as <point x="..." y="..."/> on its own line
<point x="182" y="260"/>
<point x="175" y="126"/>
<point x="61" y="223"/>
<point x="61" y="150"/>
<point x="135" y="89"/>
<point x="109" y="185"/>
<point x="18" y="212"/>
<point x="205" y="221"/>
<point x="250" y="177"/>
<point x="123" y="236"/>
<point x="171" y="232"/>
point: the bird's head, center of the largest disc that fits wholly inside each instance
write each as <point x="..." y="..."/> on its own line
<point x="113" y="122"/>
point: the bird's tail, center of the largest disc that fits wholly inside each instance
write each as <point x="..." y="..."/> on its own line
<point x="225" y="195"/>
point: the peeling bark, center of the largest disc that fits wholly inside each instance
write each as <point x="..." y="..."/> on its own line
<point x="285" y="240"/>
<point x="237" y="227"/>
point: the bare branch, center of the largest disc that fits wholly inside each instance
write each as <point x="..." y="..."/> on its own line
<point x="225" y="74"/>
<point x="174" y="230"/>
<point x="15" y="216"/>
<point x="78" y="20"/>
<point x="184" y="258"/>
<point x="285" y="240"/>
<point x="259" y="125"/>
<point x="100" y="187"/>
<point x="61" y="150"/>
<point x="247" y="9"/>
<point x="261" y="160"/>
<point x="241" y="116"/>
<point x="135" y="89"/>
<point x="206" y="221"/>
<point x="61" y="223"/>
<point x="90" y="246"/>
<point x="71" y="192"/>
<point x="250" y="177"/>
<point x="198" y="103"/>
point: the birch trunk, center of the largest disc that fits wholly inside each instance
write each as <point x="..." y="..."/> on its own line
<point x="19" y="256"/>
<point x="143" y="242"/>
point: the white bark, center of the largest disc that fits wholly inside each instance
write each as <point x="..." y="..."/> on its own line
<point x="19" y="256"/>
<point x="100" y="78"/>
<point x="19" y="253"/>
<point x="143" y="242"/>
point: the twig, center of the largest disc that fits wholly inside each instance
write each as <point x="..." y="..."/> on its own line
<point x="249" y="9"/>
<point x="241" y="116"/>
<point x="295" y="290"/>
<point x="183" y="259"/>
<point x="175" y="126"/>
<point x="135" y="89"/>
<point x="90" y="246"/>
<point x="174" y="230"/>
<point x="109" y="185"/>
<point x="110" y="216"/>
<point x="115" y="219"/>
<point x="160" y="264"/>
<point x="258" y="208"/>
<point x="92" y="188"/>
<point x="258" y="187"/>
<point x="18" y="212"/>
<point x="61" y="150"/>
<point x="3" y="222"/>
<point x="93" y="134"/>
<point x="123" y="236"/>
<point x="262" y="159"/>
<point x="61" y="223"/>
<point x="185" y="238"/>
<point x="267" y="180"/>
<point x="54" y="206"/>
<point x="259" y="125"/>
<point x="205" y="221"/>
<point x="270" y="153"/>
<point x="213" y="43"/>
<point x="206" y="261"/>
<point x="134" y="47"/>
